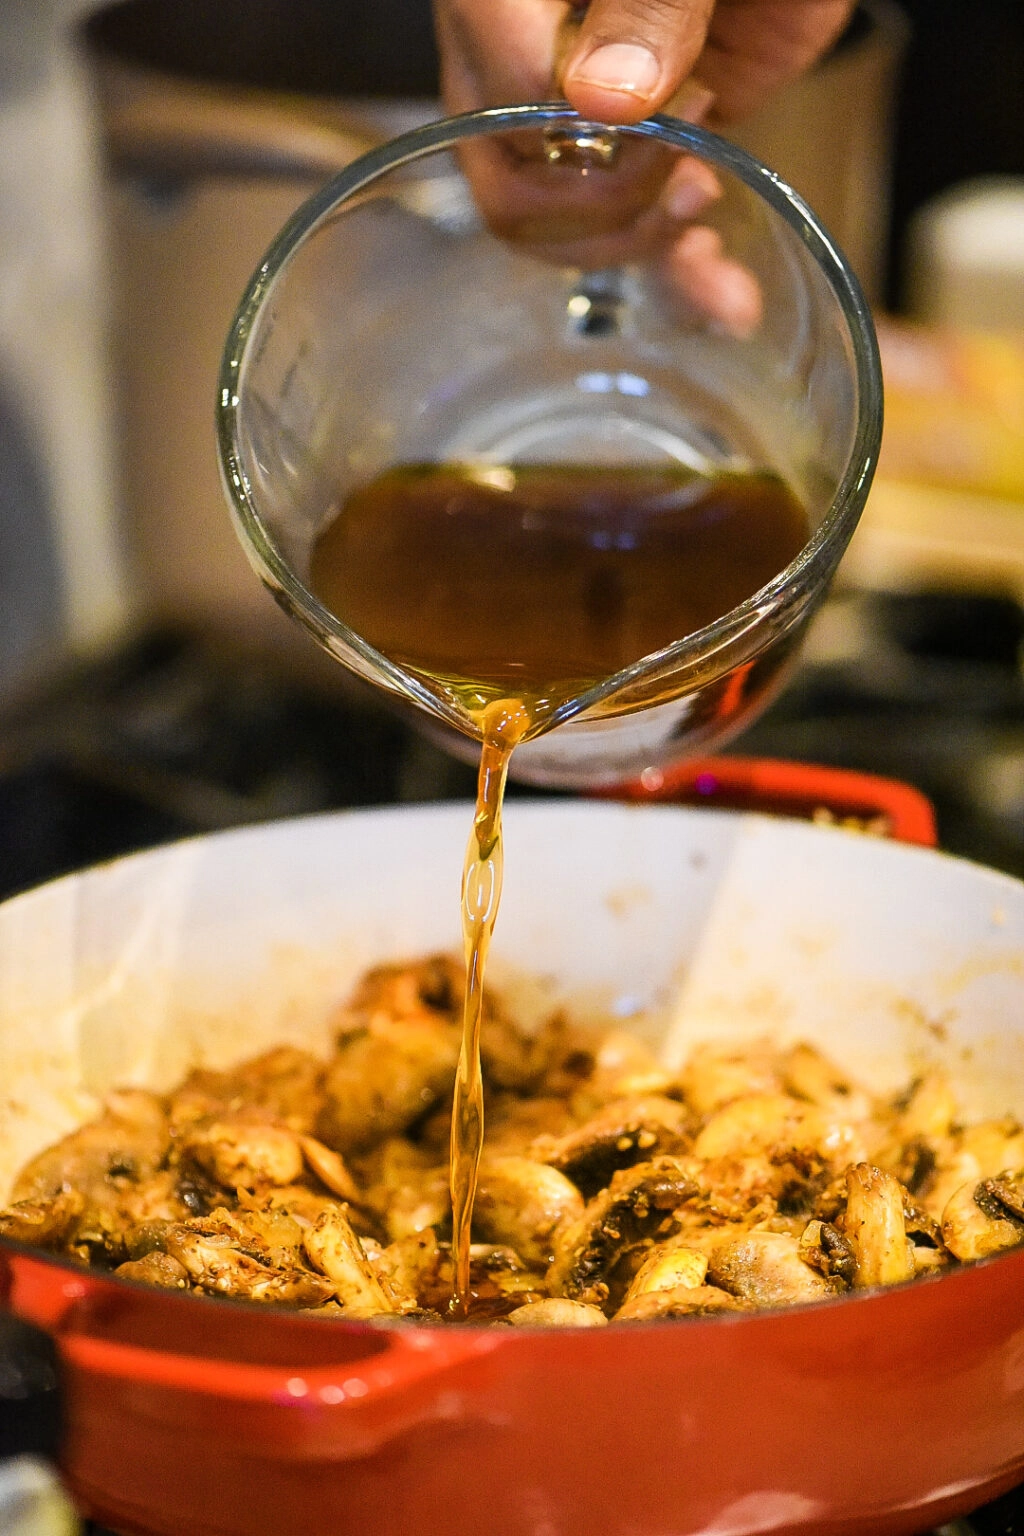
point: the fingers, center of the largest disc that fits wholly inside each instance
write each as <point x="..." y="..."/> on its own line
<point x="705" y="60"/>
<point x="713" y="284"/>
<point x="616" y="61"/>
<point x="632" y="56"/>
<point x="689" y="189"/>
<point x="755" y="46"/>
<point x="633" y="213"/>
<point x="619" y="60"/>
<point x="496" y="52"/>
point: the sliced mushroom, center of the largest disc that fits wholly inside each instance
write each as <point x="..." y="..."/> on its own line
<point x="680" y="1301"/>
<point x="526" y="1205"/>
<point x="766" y="1269"/>
<point x="219" y="1258"/>
<point x="635" y="1209"/>
<point x="623" y="1133"/>
<point x="976" y="1223"/>
<point x="334" y="1249"/>
<point x="875" y="1227"/>
<point x="557" y="1312"/>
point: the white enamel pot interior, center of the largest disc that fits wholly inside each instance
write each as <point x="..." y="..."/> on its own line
<point x="686" y="922"/>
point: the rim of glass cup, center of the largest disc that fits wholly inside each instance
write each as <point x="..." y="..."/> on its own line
<point x="782" y="597"/>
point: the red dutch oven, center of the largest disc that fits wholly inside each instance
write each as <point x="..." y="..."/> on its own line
<point x="886" y="1412"/>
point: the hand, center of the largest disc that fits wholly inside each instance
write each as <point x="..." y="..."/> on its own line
<point x="618" y="61"/>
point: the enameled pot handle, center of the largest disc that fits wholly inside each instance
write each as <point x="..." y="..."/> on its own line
<point x="385" y="1378"/>
<point x="806" y="790"/>
<point x="410" y="1357"/>
<point x="351" y="1409"/>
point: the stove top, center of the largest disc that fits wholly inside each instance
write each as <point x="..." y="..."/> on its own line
<point x="179" y="734"/>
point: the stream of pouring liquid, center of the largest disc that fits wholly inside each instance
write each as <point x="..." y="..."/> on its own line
<point x="512" y="590"/>
<point x="504" y="724"/>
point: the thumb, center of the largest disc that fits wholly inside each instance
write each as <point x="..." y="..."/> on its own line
<point x="631" y="56"/>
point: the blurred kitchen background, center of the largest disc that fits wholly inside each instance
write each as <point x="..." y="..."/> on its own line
<point x="149" y="150"/>
<point x="149" y="689"/>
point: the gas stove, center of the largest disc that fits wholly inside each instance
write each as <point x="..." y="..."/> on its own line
<point x="179" y="734"/>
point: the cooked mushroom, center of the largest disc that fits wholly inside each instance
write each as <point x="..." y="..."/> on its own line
<point x="156" y="1268"/>
<point x="335" y="1250"/>
<point x="624" y="1132"/>
<point x="42" y="1223"/>
<point x="767" y="1269"/>
<point x="977" y="1223"/>
<point x="386" y="1077"/>
<point x="636" y="1208"/>
<point x="680" y="1301"/>
<point x="128" y="1141"/>
<point x="219" y="1256"/>
<point x="526" y="1205"/>
<point x="668" y="1267"/>
<point x="875" y="1227"/>
<point x="557" y="1312"/>
<point x="240" y="1152"/>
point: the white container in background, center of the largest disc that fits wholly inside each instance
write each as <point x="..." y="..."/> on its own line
<point x="965" y="262"/>
<point x="62" y="587"/>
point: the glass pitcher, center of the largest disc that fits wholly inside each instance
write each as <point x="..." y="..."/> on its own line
<point x="402" y="330"/>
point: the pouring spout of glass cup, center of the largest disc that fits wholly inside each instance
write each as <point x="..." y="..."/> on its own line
<point x="408" y="336"/>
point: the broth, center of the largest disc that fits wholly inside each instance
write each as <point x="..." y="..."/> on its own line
<point x="540" y="581"/>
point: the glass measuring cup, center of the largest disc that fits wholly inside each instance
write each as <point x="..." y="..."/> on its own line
<point x="396" y="321"/>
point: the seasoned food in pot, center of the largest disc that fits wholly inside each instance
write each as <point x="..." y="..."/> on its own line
<point x="610" y="1189"/>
